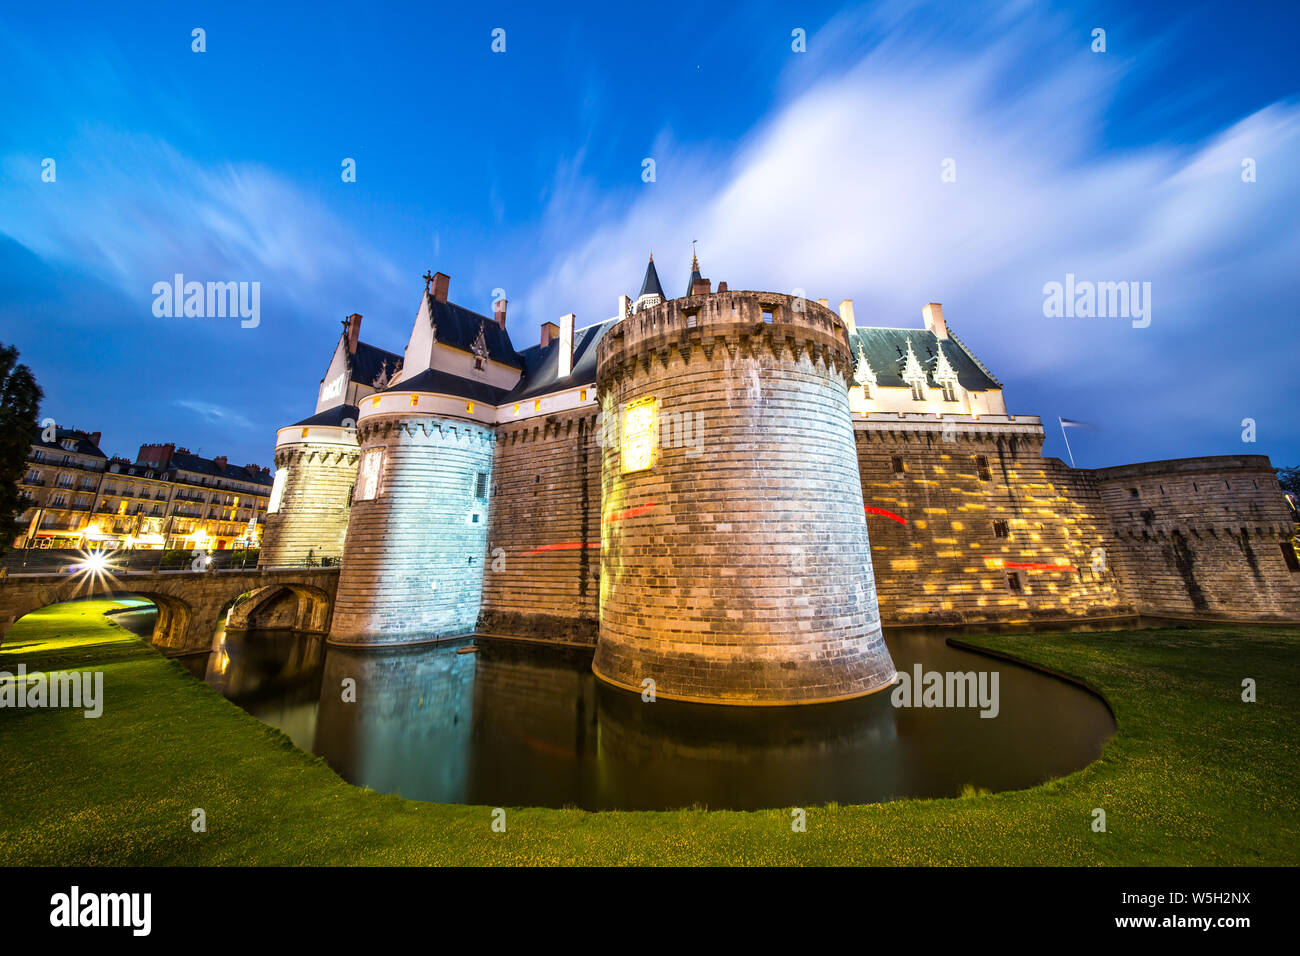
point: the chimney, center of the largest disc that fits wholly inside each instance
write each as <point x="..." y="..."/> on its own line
<point x="846" y="315"/>
<point x="159" y="456"/>
<point x="354" y="332"/>
<point x="220" y="463"/>
<point x="624" y="306"/>
<point x="550" y="331"/>
<point x="701" y="287"/>
<point x="95" y="437"/>
<point x="933" y="315"/>
<point x="566" y="345"/>
<point x="441" y="282"/>
<point x="824" y="303"/>
<point x="499" y="312"/>
<point x="722" y="287"/>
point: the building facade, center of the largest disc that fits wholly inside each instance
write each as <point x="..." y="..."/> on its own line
<point x="166" y="498"/>
<point x="729" y="493"/>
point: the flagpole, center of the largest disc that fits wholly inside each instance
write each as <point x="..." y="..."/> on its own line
<point x="1067" y="440"/>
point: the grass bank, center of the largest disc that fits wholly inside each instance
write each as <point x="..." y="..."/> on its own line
<point x="1193" y="776"/>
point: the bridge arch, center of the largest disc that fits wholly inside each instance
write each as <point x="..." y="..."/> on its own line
<point x="289" y="606"/>
<point x="190" y="604"/>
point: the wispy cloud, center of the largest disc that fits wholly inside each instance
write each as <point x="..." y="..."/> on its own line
<point x="840" y="194"/>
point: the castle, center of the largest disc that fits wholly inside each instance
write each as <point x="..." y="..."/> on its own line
<point x="729" y="493"/>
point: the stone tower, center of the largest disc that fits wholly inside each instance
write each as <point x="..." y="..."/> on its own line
<point x="418" y="532"/>
<point x="735" y="566"/>
<point x="308" y="512"/>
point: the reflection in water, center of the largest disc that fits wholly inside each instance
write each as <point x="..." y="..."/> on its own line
<point x="507" y="723"/>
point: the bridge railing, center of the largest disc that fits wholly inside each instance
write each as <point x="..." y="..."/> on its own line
<point x="69" y="560"/>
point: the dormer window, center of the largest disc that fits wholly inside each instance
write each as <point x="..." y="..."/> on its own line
<point x="69" y="444"/>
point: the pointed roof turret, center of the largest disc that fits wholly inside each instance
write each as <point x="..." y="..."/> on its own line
<point x="651" y="284"/>
<point x="652" y="293"/>
<point x="695" y="274"/>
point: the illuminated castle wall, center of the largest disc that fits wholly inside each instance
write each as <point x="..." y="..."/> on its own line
<point x="490" y="494"/>
<point x="734" y="561"/>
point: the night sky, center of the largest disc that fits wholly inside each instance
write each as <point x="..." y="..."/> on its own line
<point x="818" y="171"/>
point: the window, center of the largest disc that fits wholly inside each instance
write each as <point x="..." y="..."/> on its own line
<point x="982" y="466"/>
<point x="370" y="474"/>
<point x="33" y="476"/>
<point x="918" y="392"/>
<point x="1001" y="529"/>
<point x="898" y="465"/>
<point x="277" y="490"/>
<point x="58" y="501"/>
<point x="1014" y="582"/>
<point x="65" y="481"/>
<point x="1290" y="556"/>
<point x="480" y="485"/>
<point x="478" y="363"/>
<point x="1133" y="492"/>
<point x="949" y="393"/>
<point x="768" y="314"/>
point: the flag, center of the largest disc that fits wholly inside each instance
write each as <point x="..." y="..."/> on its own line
<point x="1069" y="422"/>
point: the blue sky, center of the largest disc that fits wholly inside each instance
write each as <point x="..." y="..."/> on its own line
<point x="521" y="170"/>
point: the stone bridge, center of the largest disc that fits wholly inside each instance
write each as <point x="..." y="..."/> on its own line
<point x="190" y="603"/>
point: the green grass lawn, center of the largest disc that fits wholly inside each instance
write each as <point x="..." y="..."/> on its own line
<point x="1193" y="776"/>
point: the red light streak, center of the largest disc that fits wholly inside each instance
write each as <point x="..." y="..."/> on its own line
<point x="881" y="511"/>
<point x="630" y="512"/>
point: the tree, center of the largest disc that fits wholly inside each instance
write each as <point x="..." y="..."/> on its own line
<point x="20" y="401"/>
<point x="1289" y="479"/>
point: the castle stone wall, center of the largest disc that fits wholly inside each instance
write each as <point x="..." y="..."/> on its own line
<point x="413" y="568"/>
<point x="948" y="564"/>
<point x="1202" y="537"/>
<point x="736" y="569"/>
<point x="544" y="581"/>
<point x="314" y="506"/>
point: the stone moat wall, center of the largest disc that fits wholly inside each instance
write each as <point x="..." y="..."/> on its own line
<point x="314" y="505"/>
<point x="986" y="529"/>
<point x="542" y="570"/>
<point x="736" y="568"/>
<point x="413" y="563"/>
<point x="1202" y="538"/>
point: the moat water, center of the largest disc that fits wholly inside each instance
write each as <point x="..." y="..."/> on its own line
<point x="519" y="724"/>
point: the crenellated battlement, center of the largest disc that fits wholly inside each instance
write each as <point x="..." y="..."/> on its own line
<point x="743" y="322"/>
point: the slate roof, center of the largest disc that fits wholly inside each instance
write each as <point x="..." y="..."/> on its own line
<point x="695" y="274"/>
<point x="458" y="327"/>
<point x="331" y="416"/>
<point x="885" y="350"/>
<point x="444" y="383"/>
<point x="84" y="445"/>
<point x="368" y="361"/>
<point x="650" y="285"/>
<point x="206" y="466"/>
<point x="541" y="365"/>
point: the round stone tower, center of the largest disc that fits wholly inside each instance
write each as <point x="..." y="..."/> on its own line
<point x="735" y="566"/>
<point x="413" y="561"/>
<point x="307" y="517"/>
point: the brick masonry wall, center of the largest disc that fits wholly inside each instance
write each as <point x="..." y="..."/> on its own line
<point x="314" y="507"/>
<point x="737" y="568"/>
<point x="1202" y="537"/>
<point x="413" y="562"/>
<point x="544" y="582"/>
<point x="947" y="565"/>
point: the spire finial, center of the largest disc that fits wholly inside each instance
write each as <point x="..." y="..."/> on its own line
<point x="695" y="262"/>
<point x="428" y="279"/>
